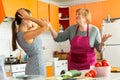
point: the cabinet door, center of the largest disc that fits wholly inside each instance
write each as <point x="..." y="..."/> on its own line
<point x="32" y="4"/>
<point x="54" y="19"/>
<point x="11" y="6"/>
<point x="2" y="12"/>
<point x="43" y="11"/>
<point x="96" y="12"/>
<point x="72" y="13"/>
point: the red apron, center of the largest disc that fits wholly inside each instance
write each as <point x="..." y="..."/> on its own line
<point x="82" y="56"/>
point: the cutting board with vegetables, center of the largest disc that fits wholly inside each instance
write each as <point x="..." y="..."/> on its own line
<point x="71" y="75"/>
<point x="75" y="78"/>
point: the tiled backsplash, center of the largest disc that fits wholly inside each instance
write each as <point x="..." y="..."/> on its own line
<point x="49" y="45"/>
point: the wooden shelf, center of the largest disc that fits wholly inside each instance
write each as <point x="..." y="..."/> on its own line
<point x="64" y="18"/>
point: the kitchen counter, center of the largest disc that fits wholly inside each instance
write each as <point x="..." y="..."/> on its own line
<point x="112" y="76"/>
<point x="26" y="77"/>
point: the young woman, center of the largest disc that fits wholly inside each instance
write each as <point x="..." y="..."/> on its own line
<point x="25" y="32"/>
<point x="84" y="38"/>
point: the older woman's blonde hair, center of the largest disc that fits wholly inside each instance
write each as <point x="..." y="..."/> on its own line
<point x="85" y="12"/>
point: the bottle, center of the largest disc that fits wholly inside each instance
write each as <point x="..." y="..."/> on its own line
<point x="108" y="18"/>
<point x="61" y="28"/>
<point x="26" y="57"/>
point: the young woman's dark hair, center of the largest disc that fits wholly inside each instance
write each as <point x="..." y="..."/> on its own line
<point x="17" y="20"/>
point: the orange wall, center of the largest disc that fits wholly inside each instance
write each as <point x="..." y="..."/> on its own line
<point x="2" y="12"/>
<point x="72" y="12"/>
<point x="96" y="12"/>
<point x="111" y="7"/>
<point x="99" y="11"/>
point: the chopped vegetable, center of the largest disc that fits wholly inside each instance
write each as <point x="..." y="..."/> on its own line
<point x="69" y="74"/>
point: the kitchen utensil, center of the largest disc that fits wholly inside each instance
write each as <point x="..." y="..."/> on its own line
<point x="60" y="15"/>
<point x="11" y="59"/>
<point x="26" y="57"/>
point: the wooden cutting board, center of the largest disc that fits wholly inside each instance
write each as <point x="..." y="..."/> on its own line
<point x="115" y="69"/>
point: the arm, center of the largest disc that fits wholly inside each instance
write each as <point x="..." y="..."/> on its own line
<point x="33" y="33"/>
<point x="99" y="41"/>
<point x="26" y="16"/>
<point x="59" y="36"/>
<point x="53" y="32"/>
<point x="104" y="38"/>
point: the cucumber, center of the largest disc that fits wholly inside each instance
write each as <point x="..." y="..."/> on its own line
<point x="69" y="74"/>
<point x="66" y="76"/>
<point x="75" y="73"/>
<point x="59" y="78"/>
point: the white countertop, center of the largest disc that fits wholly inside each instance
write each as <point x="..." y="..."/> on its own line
<point x="27" y="77"/>
<point x="112" y="76"/>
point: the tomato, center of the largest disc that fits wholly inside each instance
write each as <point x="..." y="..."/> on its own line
<point x="105" y="62"/>
<point x="98" y="64"/>
<point x="88" y="74"/>
<point x="93" y="72"/>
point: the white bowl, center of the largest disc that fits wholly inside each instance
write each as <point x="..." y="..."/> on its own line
<point x="103" y="71"/>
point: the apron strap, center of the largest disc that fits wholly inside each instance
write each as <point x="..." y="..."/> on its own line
<point x="76" y="30"/>
<point x="87" y="30"/>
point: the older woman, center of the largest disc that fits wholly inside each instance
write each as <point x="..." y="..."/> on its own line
<point x="84" y="38"/>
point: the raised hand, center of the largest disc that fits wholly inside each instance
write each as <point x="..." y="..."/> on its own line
<point x="23" y="13"/>
<point x="105" y="37"/>
<point x="47" y="22"/>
